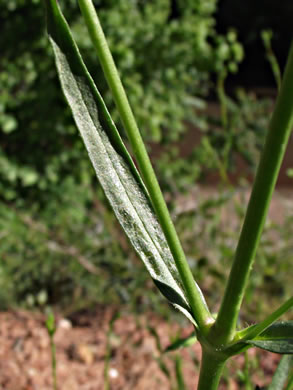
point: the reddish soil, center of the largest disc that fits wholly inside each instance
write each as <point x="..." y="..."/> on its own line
<point x="81" y="343"/>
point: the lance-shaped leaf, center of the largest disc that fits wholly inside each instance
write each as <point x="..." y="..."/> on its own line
<point x="283" y="372"/>
<point x="277" y="338"/>
<point x="182" y="343"/>
<point x="113" y="165"/>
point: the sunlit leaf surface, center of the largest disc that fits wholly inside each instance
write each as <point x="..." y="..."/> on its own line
<point x="113" y="165"/>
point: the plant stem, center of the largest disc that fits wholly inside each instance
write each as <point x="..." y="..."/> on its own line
<point x="267" y="36"/>
<point x="247" y="379"/>
<point x="179" y="373"/>
<point x="210" y="371"/>
<point x="222" y="97"/>
<point x="194" y="296"/>
<point x="215" y="155"/>
<point x="266" y="177"/>
<point x="255" y="330"/>
<point x="53" y="362"/>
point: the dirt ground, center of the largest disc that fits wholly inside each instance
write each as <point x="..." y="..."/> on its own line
<point x="81" y="343"/>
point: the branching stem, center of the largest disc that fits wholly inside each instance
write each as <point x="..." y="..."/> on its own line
<point x="210" y="371"/>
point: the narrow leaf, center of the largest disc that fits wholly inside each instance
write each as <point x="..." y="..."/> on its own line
<point x="282" y="373"/>
<point x="182" y="343"/>
<point x="283" y="347"/>
<point x="253" y="331"/>
<point x="277" y="338"/>
<point x="113" y="165"/>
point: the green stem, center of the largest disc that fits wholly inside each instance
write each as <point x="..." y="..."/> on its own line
<point x="255" y="330"/>
<point x="215" y="155"/>
<point x="107" y="363"/>
<point x="247" y="377"/>
<point x="222" y="97"/>
<point x="267" y="36"/>
<point x="266" y="177"/>
<point x="194" y="296"/>
<point x="210" y="371"/>
<point x="290" y="382"/>
<point x="179" y="373"/>
<point x="53" y="362"/>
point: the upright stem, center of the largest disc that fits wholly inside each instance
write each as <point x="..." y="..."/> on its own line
<point x="266" y="177"/>
<point x="53" y="362"/>
<point x="194" y="296"/>
<point x="222" y="98"/>
<point x="210" y="371"/>
<point x="267" y="36"/>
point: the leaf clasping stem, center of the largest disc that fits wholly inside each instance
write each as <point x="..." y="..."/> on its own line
<point x="193" y="293"/>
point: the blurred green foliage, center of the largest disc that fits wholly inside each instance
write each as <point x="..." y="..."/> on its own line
<point x="40" y="145"/>
<point x="59" y="243"/>
<point x="209" y="228"/>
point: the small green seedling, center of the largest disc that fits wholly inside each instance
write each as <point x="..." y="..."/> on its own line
<point x="139" y="206"/>
<point x="51" y="328"/>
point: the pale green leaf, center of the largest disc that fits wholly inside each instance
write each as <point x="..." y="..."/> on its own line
<point x="113" y="165"/>
<point x="283" y="371"/>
